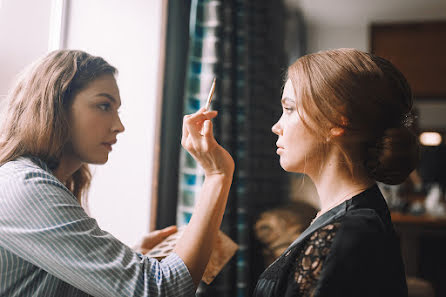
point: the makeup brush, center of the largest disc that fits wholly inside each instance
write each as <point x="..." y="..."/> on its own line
<point x="209" y="100"/>
<point x="211" y="94"/>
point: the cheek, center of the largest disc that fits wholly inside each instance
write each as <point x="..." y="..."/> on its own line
<point x="292" y="130"/>
<point x="300" y="145"/>
<point x="85" y="129"/>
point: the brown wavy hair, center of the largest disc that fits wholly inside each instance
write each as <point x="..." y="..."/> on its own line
<point x="366" y="96"/>
<point x="36" y="116"/>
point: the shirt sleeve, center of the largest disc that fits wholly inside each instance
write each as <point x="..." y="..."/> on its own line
<point x="42" y="222"/>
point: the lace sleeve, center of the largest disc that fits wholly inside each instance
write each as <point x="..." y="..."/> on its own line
<point x="310" y="261"/>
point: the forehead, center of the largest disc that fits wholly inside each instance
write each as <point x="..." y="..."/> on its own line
<point x="105" y="84"/>
<point x="288" y="90"/>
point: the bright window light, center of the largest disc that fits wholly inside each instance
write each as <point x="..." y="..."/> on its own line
<point x="430" y="138"/>
<point x="57" y="25"/>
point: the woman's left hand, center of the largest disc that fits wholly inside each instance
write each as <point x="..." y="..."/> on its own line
<point x="150" y="240"/>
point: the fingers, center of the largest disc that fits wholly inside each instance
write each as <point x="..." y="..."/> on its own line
<point x="185" y="132"/>
<point x="168" y="231"/>
<point x="155" y="237"/>
<point x="196" y="120"/>
<point x="208" y="130"/>
<point x="193" y="124"/>
<point x="163" y="233"/>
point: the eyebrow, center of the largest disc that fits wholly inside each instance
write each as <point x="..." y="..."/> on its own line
<point x="287" y="100"/>
<point x="110" y="97"/>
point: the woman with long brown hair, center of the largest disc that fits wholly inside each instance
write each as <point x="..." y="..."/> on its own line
<point x="61" y="116"/>
<point x="346" y="124"/>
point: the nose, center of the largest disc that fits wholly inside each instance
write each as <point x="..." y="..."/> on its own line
<point x="118" y="126"/>
<point x="276" y="128"/>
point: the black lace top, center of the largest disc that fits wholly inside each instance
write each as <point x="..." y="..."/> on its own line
<point x="308" y="265"/>
<point x="351" y="250"/>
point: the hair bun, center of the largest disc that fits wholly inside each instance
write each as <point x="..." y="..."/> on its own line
<point x="394" y="157"/>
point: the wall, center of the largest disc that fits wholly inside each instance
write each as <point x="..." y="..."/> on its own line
<point x="24" y="30"/>
<point x="127" y="35"/>
<point x="345" y="23"/>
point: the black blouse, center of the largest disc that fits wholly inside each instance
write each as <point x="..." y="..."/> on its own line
<point x="351" y="251"/>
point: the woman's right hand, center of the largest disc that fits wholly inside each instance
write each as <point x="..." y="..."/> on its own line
<point x="196" y="243"/>
<point x="198" y="139"/>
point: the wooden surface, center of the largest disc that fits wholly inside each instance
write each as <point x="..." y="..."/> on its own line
<point x="427" y="220"/>
<point x="423" y="246"/>
<point x="418" y="51"/>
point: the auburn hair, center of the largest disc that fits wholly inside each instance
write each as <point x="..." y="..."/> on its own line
<point x="366" y="96"/>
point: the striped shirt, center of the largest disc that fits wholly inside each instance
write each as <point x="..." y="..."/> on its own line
<point x="50" y="247"/>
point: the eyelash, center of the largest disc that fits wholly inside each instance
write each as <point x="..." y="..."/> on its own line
<point x="104" y="106"/>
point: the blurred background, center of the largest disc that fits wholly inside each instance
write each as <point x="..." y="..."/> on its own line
<point x="168" y="52"/>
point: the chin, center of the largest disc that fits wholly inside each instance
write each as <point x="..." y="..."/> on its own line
<point x="103" y="161"/>
<point x="284" y="166"/>
<point x="290" y="167"/>
<point x="98" y="160"/>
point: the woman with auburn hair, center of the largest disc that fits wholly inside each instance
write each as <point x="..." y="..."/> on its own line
<point x="346" y="124"/>
<point x="61" y="116"/>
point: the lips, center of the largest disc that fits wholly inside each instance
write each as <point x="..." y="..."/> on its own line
<point x="112" y="142"/>
<point x="279" y="148"/>
<point x="109" y="144"/>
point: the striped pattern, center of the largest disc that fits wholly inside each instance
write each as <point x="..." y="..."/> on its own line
<point x="238" y="42"/>
<point x="50" y="247"/>
<point x="242" y="175"/>
<point x="241" y="43"/>
<point x="202" y="63"/>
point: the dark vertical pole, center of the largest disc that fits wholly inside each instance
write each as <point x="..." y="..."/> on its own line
<point x="177" y="44"/>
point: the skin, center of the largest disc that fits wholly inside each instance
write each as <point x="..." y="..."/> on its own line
<point x="153" y="238"/>
<point x="196" y="244"/>
<point x="299" y="151"/>
<point x="296" y="146"/>
<point x="94" y="126"/>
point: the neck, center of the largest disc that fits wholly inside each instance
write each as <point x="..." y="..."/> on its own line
<point x="67" y="166"/>
<point x="337" y="184"/>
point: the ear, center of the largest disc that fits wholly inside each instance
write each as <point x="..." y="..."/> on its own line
<point x="337" y="131"/>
